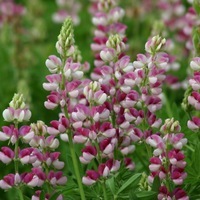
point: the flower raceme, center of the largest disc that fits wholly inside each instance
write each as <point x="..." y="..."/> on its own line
<point x="168" y="161"/>
<point x="193" y="97"/>
<point x="37" y="151"/>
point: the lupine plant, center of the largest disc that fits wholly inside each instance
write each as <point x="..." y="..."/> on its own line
<point x="115" y="134"/>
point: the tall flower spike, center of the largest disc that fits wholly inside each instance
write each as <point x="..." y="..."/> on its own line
<point x="106" y="17"/>
<point x="191" y="100"/>
<point x="168" y="162"/>
<point x="17" y="110"/>
<point x="66" y="39"/>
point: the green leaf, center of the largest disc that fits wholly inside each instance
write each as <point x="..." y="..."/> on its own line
<point x="42" y="195"/>
<point x="54" y="196"/>
<point x="147" y="195"/>
<point x="195" y="197"/>
<point x="197" y="159"/>
<point x="132" y="195"/>
<point x="111" y="184"/>
<point x="156" y="184"/>
<point x="196" y="5"/>
<point x="131" y="181"/>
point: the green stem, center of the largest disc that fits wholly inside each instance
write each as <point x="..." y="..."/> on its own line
<point x="76" y="167"/>
<point x="20" y="194"/>
<point x="21" y="197"/>
<point x="104" y="191"/>
<point x="16" y="157"/>
<point x="148" y="148"/>
<point x="142" y="161"/>
<point x="16" y="152"/>
<point x="168" y="107"/>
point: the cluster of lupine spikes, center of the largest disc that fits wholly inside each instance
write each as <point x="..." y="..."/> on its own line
<point x="168" y="162"/>
<point x="29" y="145"/>
<point x="108" y="113"/>
<point x="115" y="109"/>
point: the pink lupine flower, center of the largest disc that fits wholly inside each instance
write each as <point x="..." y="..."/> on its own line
<point x="67" y="8"/>
<point x="30" y="179"/>
<point x="128" y="149"/>
<point x="26" y="133"/>
<point x="176" y="158"/>
<point x="81" y="135"/>
<point x="195" y="81"/>
<point x="194" y="123"/>
<point x="53" y="63"/>
<point x="52" y="159"/>
<point x="106" y="146"/>
<point x="157" y="142"/>
<point x="53" y="100"/>
<point x="88" y="153"/>
<point x="91" y="177"/>
<point x="56" y="178"/>
<point x="54" y="81"/>
<point x="195" y="64"/>
<point x="113" y="165"/>
<point x="162" y="60"/>
<point x="129" y="163"/>
<point x="180" y="194"/>
<point x="93" y="92"/>
<point x="116" y="14"/>
<point x="27" y="156"/>
<point x="72" y="70"/>
<point x="134" y="134"/>
<point x="11" y="114"/>
<point x="153" y="103"/>
<point x="9" y="181"/>
<point x="142" y="60"/>
<point x="177" y="140"/>
<point x="163" y="193"/>
<point x="153" y="122"/>
<point x="173" y="82"/>
<point x="52" y="142"/>
<point x="100" y="19"/>
<point x="107" y="54"/>
<point x="155" y="165"/>
<point x="58" y="126"/>
<point x="194" y="100"/>
<point x="6" y="155"/>
<point x="40" y="174"/>
<point x="80" y="112"/>
<point x="178" y="175"/>
<point x="6" y="133"/>
<point x="37" y="194"/>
